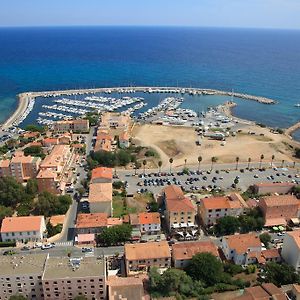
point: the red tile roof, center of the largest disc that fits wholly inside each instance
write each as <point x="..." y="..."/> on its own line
<point x="242" y="242"/>
<point x="102" y="172"/>
<point x="91" y="220"/>
<point x="21" y="224"/>
<point x="149" y="218"/>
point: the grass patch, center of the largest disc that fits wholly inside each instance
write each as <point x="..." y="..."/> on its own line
<point x="169" y="147"/>
<point x="119" y="207"/>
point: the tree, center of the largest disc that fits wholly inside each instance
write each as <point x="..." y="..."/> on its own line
<point x="272" y="159"/>
<point x="249" y="161"/>
<point x="297" y="152"/>
<point x="17" y="297"/>
<point x="185" y="161"/>
<point x="80" y="297"/>
<point x="159" y="166"/>
<point x="32" y="187"/>
<point x="5" y="212"/>
<point x="34" y="128"/>
<point x="280" y="274"/>
<point x="282" y="163"/>
<point x="34" y="151"/>
<point x="213" y="161"/>
<point x="261" y="159"/>
<point x="265" y="238"/>
<point x="53" y="230"/>
<point x="115" y="235"/>
<point x="144" y="164"/>
<point x="237" y="159"/>
<point x="171" y="162"/>
<point x="227" y="225"/>
<point x="153" y="206"/>
<point x="199" y="162"/>
<point x="206" y="268"/>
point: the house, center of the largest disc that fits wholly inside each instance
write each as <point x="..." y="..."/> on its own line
<point x="179" y="210"/>
<point x="104" y="141"/>
<point x="124" y="140"/>
<point x="115" y="120"/>
<point x="140" y="257"/>
<point x="264" y="188"/>
<point x="49" y="142"/>
<point x="271" y="255"/>
<point x="49" y="181"/>
<point x="91" y="223"/>
<point x="278" y="210"/>
<point x="79" y="125"/>
<point x="102" y="175"/>
<point x="100" y="198"/>
<point x="242" y="249"/>
<point x="85" y="239"/>
<point x="295" y="292"/>
<point x="57" y="220"/>
<point x="266" y="291"/>
<point x="182" y="253"/>
<point x="149" y="222"/>
<point x="4" y="168"/>
<point x="114" y="222"/>
<point x="291" y="249"/>
<point x="23" y="229"/>
<point x="212" y="208"/>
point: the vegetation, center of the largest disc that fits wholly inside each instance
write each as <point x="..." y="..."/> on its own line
<point x="297" y="152"/>
<point x="296" y="191"/>
<point x="53" y="230"/>
<point x="227" y="225"/>
<point x="34" y="151"/>
<point x="118" y="185"/>
<point x="49" y="204"/>
<point x="8" y="244"/>
<point x="153" y="205"/>
<point x="265" y="238"/>
<point x="35" y="128"/>
<point x="17" y="297"/>
<point x="151" y="153"/>
<point x="4" y="149"/>
<point x="114" y="235"/>
<point x="93" y="118"/>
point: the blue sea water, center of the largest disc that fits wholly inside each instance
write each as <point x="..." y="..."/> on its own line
<point x="258" y="62"/>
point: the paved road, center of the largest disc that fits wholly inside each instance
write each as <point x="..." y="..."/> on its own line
<point x="223" y="179"/>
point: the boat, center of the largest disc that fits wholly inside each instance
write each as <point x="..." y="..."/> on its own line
<point x="297" y="105"/>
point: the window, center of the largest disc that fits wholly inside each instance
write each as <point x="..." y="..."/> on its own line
<point x="28" y="232"/>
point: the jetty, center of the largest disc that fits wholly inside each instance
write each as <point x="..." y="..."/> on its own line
<point x="291" y="129"/>
<point x="26" y="100"/>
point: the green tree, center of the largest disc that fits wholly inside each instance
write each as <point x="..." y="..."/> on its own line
<point x="282" y="163"/>
<point x="206" y="268"/>
<point x="32" y="187"/>
<point x="144" y="165"/>
<point x="34" y="128"/>
<point x="53" y="230"/>
<point x="249" y="161"/>
<point x="265" y="238"/>
<point x="115" y="235"/>
<point x="237" y="159"/>
<point x="34" y="151"/>
<point x="159" y="166"/>
<point x="5" y="212"/>
<point x="261" y="160"/>
<point x="272" y="159"/>
<point x="199" y="162"/>
<point x="227" y="225"/>
<point x="297" y="152"/>
<point x="154" y="206"/>
<point x="213" y="161"/>
<point x="17" y="297"/>
<point x="280" y="274"/>
<point x="171" y="162"/>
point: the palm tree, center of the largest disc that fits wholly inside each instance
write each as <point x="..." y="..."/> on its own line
<point x="272" y="159"/>
<point x="213" y="160"/>
<point x="249" y="161"/>
<point x="199" y="162"/>
<point x="282" y="163"/>
<point x="261" y="159"/>
<point x="185" y="161"/>
<point x="159" y="166"/>
<point x="171" y="161"/>
<point x="144" y="164"/>
<point x="237" y="159"/>
<point x="294" y="164"/>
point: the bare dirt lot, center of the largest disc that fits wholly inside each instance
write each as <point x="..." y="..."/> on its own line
<point x="180" y="144"/>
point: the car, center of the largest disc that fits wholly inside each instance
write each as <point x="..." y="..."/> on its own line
<point x="25" y="248"/>
<point x="86" y="250"/>
<point x="255" y="176"/>
<point x="47" y="246"/>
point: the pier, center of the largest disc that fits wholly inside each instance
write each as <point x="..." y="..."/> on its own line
<point x="291" y="129"/>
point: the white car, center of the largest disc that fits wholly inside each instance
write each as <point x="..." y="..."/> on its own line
<point x="47" y="246"/>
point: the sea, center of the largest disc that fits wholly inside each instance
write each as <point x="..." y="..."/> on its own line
<point x="260" y="62"/>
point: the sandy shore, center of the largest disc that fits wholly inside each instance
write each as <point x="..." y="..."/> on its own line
<point x="22" y="106"/>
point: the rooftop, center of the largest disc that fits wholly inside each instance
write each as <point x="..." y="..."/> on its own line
<point x="100" y="192"/>
<point x="230" y="202"/>
<point x="76" y="121"/>
<point x="46" y="173"/>
<point x="56" y="157"/>
<point x="21" y="158"/>
<point x="22" y="264"/>
<point x="58" y="219"/>
<point x="281" y="200"/>
<point x="187" y="250"/>
<point x="102" y="172"/>
<point x="274" y="184"/>
<point x="149" y="218"/>
<point x="180" y="205"/>
<point x="173" y="192"/>
<point x="58" y="267"/>
<point x="91" y="220"/>
<point x="150" y="250"/>
<point x="4" y="163"/>
<point x="295" y="235"/>
<point x="242" y="242"/>
<point x="21" y="224"/>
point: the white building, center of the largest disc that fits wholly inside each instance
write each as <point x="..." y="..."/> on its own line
<point x="149" y="222"/>
<point x="23" y="229"/>
<point x="291" y="249"/>
<point x="242" y="249"/>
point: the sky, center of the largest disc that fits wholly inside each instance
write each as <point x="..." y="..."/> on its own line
<point x="283" y="14"/>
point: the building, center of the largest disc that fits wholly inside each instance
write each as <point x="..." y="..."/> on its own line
<point x="124" y="140"/>
<point x="271" y="255"/>
<point x="294" y="293"/>
<point x="4" y="168"/>
<point x="100" y="198"/>
<point x="22" y="275"/>
<point x="273" y="187"/>
<point x="291" y="249"/>
<point x="213" y="208"/>
<point x="278" y="210"/>
<point x="102" y="175"/>
<point x="131" y="288"/>
<point x="79" y="125"/>
<point x="179" y="210"/>
<point x="140" y="257"/>
<point x="149" y="222"/>
<point x="23" y="229"/>
<point x="54" y="169"/>
<point x="266" y="291"/>
<point x="49" y="142"/>
<point x="242" y="249"/>
<point x="182" y="253"/>
<point x="104" y="142"/>
<point x="115" y="120"/>
<point x="66" y="278"/>
<point x="91" y="223"/>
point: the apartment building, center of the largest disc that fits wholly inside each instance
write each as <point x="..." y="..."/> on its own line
<point x="66" y="278"/>
<point x="264" y="188"/>
<point x="242" y="249"/>
<point x="179" y="210"/>
<point x="140" y="257"/>
<point x="22" y="275"/>
<point x="102" y="175"/>
<point x="182" y="253"/>
<point x="91" y="223"/>
<point x="27" y="228"/>
<point x="100" y="198"/>
<point x="79" y="125"/>
<point x="104" y="142"/>
<point x="279" y="209"/>
<point x="291" y="249"/>
<point x="149" y="222"/>
<point x="124" y="140"/>
<point x="21" y="167"/>
<point x="212" y="208"/>
<point x="54" y="169"/>
<point x="115" y="120"/>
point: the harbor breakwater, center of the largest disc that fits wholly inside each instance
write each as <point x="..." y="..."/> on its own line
<point x="26" y="100"/>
